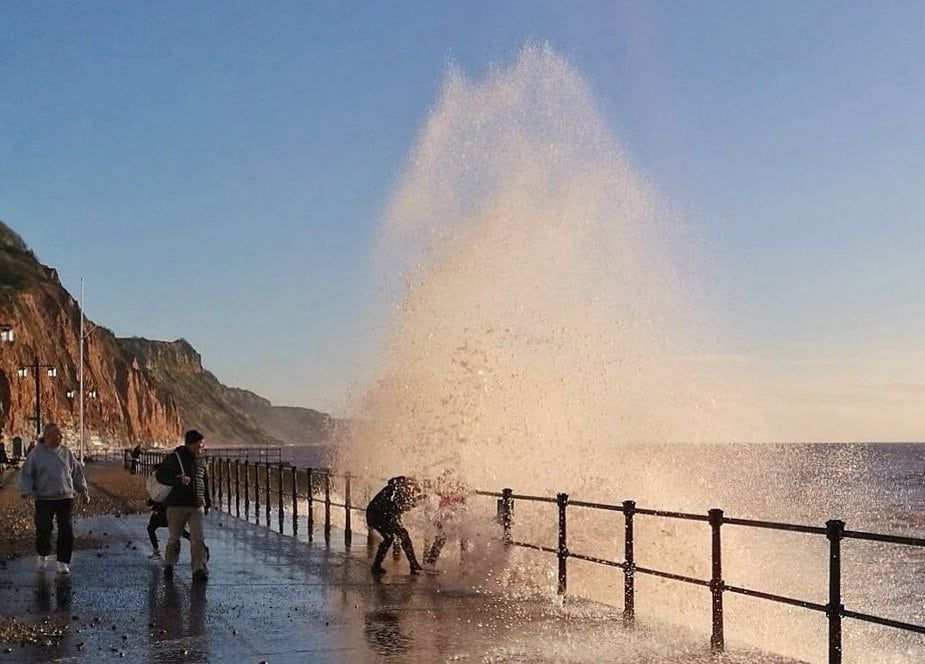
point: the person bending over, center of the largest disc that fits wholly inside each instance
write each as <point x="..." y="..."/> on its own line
<point x="383" y="514"/>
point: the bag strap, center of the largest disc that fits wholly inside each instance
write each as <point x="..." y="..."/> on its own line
<point x="182" y="469"/>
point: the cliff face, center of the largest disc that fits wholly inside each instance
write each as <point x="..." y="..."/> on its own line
<point x="176" y="367"/>
<point x="147" y="391"/>
<point x="46" y="323"/>
<point x="288" y="423"/>
<point x="224" y="414"/>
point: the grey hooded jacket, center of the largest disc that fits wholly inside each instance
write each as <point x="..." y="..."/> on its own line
<point x="51" y="474"/>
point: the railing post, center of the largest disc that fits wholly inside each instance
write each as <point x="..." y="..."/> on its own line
<point x="280" y="501"/>
<point x="327" y="506"/>
<point x="228" y="482"/>
<point x="219" y="479"/>
<point x="348" y="533"/>
<point x="507" y="515"/>
<point x="370" y="537"/>
<point x="247" y="491"/>
<point x="311" y="509"/>
<point x="562" y="551"/>
<point x="257" y="492"/>
<point x="212" y="478"/>
<point x="717" y="639"/>
<point x="237" y="488"/>
<point x="834" y="530"/>
<point x="629" y="566"/>
<point x="295" y="501"/>
<point x="222" y="479"/>
<point x="266" y="488"/>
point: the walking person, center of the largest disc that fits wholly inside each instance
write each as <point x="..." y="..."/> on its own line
<point x="384" y="515"/>
<point x="52" y="476"/>
<point x="187" y="503"/>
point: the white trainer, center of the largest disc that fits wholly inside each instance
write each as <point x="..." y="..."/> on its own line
<point x="41" y="562"/>
<point x="63" y="568"/>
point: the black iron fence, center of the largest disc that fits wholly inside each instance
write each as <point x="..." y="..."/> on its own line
<point x="834" y="531"/>
<point x="238" y="482"/>
<point x="260" y="488"/>
<point x="147" y="459"/>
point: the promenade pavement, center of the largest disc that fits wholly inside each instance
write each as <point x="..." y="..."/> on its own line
<point x="274" y="598"/>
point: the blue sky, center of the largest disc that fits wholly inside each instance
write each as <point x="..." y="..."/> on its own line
<point x="216" y="171"/>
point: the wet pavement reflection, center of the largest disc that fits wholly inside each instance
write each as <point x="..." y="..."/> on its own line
<point x="272" y="598"/>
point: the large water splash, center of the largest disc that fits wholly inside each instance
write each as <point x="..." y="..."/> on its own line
<point x="543" y="316"/>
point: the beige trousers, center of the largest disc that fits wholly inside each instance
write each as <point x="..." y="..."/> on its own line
<point x="177" y="518"/>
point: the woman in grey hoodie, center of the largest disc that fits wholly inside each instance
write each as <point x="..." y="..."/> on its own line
<point x="53" y="476"/>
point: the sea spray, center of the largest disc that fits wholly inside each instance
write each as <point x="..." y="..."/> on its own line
<point x="542" y="316"/>
<point x="545" y="317"/>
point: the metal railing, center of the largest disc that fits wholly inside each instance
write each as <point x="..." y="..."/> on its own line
<point x="834" y="531"/>
<point x="256" y="486"/>
<point x="98" y="456"/>
<point x="150" y="458"/>
<point x="282" y="483"/>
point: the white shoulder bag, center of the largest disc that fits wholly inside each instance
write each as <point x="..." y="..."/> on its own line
<point x="158" y="491"/>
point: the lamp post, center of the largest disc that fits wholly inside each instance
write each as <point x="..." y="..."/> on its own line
<point x="6" y="337"/>
<point x="84" y="335"/>
<point x="36" y="368"/>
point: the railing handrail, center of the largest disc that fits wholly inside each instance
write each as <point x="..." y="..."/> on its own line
<point x="731" y="521"/>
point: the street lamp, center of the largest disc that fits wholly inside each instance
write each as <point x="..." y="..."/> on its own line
<point x="36" y="368"/>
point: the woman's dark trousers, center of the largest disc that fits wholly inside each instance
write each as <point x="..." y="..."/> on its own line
<point x="45" y="512"/>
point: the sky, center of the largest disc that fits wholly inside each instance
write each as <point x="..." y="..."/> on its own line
<point x="217" y="172"/>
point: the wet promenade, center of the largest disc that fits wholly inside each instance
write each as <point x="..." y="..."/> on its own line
<point x="273" y="598"/>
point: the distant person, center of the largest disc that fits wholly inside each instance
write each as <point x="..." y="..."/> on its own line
<point x="52" y="476"/>
<point x="188" y="502"/>
<point x="450" y="494"/>
<point x="136" y="457"/>
<point x="383" y="514"/>
<point x="17" y="447"/>
<point x="4" y="459"/>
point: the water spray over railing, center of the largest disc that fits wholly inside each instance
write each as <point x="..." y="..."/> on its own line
<point x="834" y="531"/>
<point x="279" y="481"/>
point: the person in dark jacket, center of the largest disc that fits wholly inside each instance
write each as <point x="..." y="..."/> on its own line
<point x="136" y="457"/>
<point x="185" y="469"/>
<point x="383" y="514"/>
<point x="158" y="520"/>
